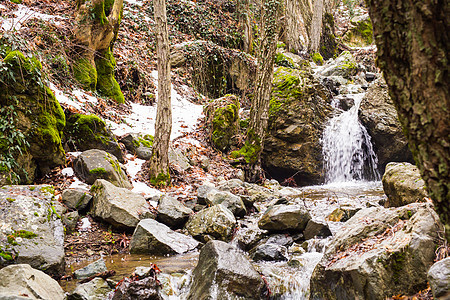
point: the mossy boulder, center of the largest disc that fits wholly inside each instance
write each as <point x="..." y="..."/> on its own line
<point x="299" y="109"/>
<point x="85" y="73"/>
<point x="344" y="65"/>
<point x="106" y="83"/>
<point x="140" y="145"/>
<point x="84" y="132"/>
<point x="36" y="116"/>
<point x="360" y="32"/>
<point x="223" y="119"/>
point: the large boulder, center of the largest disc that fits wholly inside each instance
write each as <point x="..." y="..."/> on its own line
<point x="378" y="114"/>
<point x="138" y="144"/>
<point x="439" y="278"/>
<point x="224" y="272"/>
<point x="96" y="289"/>
<point x="360" y="31"/>
<point x="77" y="199"/>
<point x="24" y="282"/>
<point x="403" y="184"/>
<point x="118" y="206"/>
<point x="232" y="202"/>
<point x="343" y="66"/>
<point x="84" y="132"/>
<point x="152" y="237"/>
<point x="32" y="121"/>
<point x="378" y="253"/>
<point x="98" y="164"/>
<point x="284" y="217"/>
<point x="172" y="212"/>
<point x="299" y="109"/>
<point x="223" y="121"/>
<point x="31" y="231"/>
<point x="215" y="222"/>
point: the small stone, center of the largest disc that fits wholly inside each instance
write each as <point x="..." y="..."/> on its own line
<point x="96" y="267"/>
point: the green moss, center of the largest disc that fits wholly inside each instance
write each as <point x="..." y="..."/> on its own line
<point x="97" y="171"/>
<point x="6" y="255"/>
<point x="10" y="200"/>
<point x="251" y="149"/>
<point x="32" y="188"/>
<point x="225" y="124"/>
<point x="84" y="132"/>
<point x="85" y="73"/>
<point x="108" y="6"/>
<point x="106" y="83"/>
<point x="20" y="233"/>
<point x="17" y="1"/>
<point x="361" y="34"/>
<point x="98" y="12"/>
<point x="163" y="179"/>
<point x="17" y="59"/>
<point x="48" y="189"/>
<point x="146" y="141"/>
<point x="36" y="214"/>
<point x="281" y="45"/>
<point x="317" y="58"/>
<point x="80" y="201"/>
<point x="397" y="265"/>
<point x="283" y="60"/>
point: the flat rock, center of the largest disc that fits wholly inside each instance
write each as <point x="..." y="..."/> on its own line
<point x="172" y="212"/>
<point x="96" y="289"/>
<point x="118" y="206"/>
<point x="76" y="198"/>
<point x="224" y="272"/>
<point x="19" y="280"/>
<point x="98" y="164"/>
<point x="284" y="217"/>
<point x="232" y="202"/>
<point x="96" y="267"/>
<point x="152" y="237"/>
<point x="31" y="231"/>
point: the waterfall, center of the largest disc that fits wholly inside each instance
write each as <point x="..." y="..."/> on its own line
<point x="347" y="149"/>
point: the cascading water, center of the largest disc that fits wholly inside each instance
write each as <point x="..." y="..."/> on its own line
<point x="347" y="149"/>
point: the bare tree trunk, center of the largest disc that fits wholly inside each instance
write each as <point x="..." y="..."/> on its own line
<point x="159" y="162"/>
<point x="316" y="25"/>
<point x="413" y="51"/>
<point x="259" y="114"/>
<point x="95" y="33"/>
<point x="245" y="24"/>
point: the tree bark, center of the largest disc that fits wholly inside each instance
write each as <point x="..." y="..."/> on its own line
<point x="316" y="26"/>
<point x="259" y="113"/>
<point x="159" y="162"/>
<point x="245" y="24"/>
<point x="413" y="47"/>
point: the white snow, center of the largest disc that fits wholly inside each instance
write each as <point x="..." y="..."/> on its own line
<point x="85" y="224"/>
<point x="67" y="172"/>
<point x="22" y="15"/>
<point x="77" y="184"/>
<point x="77" y="99"/>
<point x="135" y="2"/>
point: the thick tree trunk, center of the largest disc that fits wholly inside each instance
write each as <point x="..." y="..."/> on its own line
<point x="245" y="24"/>
<point x="413" y="47"/>
<point x="159" y="162"/>
<point x="316" y="25"/>
<point x="259" y="113"/>
<point x="97" y="25"/>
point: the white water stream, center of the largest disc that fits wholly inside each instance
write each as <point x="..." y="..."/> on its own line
<point x="347" y="149"/>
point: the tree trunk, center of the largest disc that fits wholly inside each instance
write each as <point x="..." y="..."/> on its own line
<point x="97" y="25"/>
<point x="159" y="162"/>
<point x="245" y="24"/>
<point x="413" y="46"/>
<point x="316" y="26"/>
<point x="259" y="113"/>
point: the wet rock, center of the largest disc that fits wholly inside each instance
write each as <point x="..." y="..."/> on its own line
<point x="439" y="278"/>
<point x="138" y="144"/>
<point x="217" y="222"/>
<point x="269" y="252"/>
<point x="20" y="280"/>
<point x="232" y="202"/>
<point x="345" y="103"/>
<point x="156" y="238"/>
<point x="90" y="132"/>
<point x="118" y="206"/>
<point x="379" y="253"/>
<point x="343" y="213"/>
<point x="203" y="191"/>
<point x="247" y="238"/>
<point x="403" y="184"/>
<point x="344" y="65"/>
<point x="147" y="288"/>
<point x="172" y="212"/>
<point x="31" y="231"/>
<point x="284" y="217"/>
<point x="300" y="107"/>
<point x="369" y="76"/>
<point x="316" y="228"/>
<point x="96" y="267"/>
<point x="70" y="220"/>
<point x="280" y="239"/>
<point x="96" y="289"/>
<point x="223" y="272"/>
<point x="378" y="114"/>
<point x="76" y="198"/>
<point x="97" y="164"/>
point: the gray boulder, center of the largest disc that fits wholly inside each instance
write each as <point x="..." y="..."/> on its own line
<point x="215" y="222"/>
<point x="138" y="144"/>
<point x="96" y="267"/>
<point x="269" y="252"/>
<point x="439" y="278"/>
<point x="232" y="202"/>
<point x="378" y="253"/>
<point x="70" y="220"/>
<point x="224" y="272"/>
<point x="16" y="281"/>
<point x="202" y="192"/>
<point x="403" y="184"/>
<point x="178" y="160"/>
<point x="97" y="164"/>
<point x="118" y="206"/>
<point x="172" y="212"/>
<point x="378" y="114"/>
<point x="316" y="228"/>
<point x="152" y="237"/>
<point x="31" y="231"/>
<point x="284" y="217"/>
<point x="96" y="289"/>
<point x="76" y="198"/>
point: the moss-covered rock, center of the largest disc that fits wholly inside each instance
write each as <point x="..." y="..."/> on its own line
<point x="85" y="73"/>
<point x="360" y="33"/>
<point x="328" y="43"/>
<point x="106" y="83"/>
<point x="223" y="119"/>
<point x="89" y="132"/>
<point x="298" y="110"/>
<point x="36" y="115"/>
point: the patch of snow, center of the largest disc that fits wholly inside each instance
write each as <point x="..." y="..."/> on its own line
<point x="78" y="184"/>
<point x="23" y="14"/>
<point x="85" y="224"/>
<point x="63" y="98"/>
<point x="82" y="96"/>
<point x="143" y="189"/>
<point x="134" y="2"/>
<point x="76" y="154"/>
<point x="67" y="172"/>
<point x="133" y="165"/>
